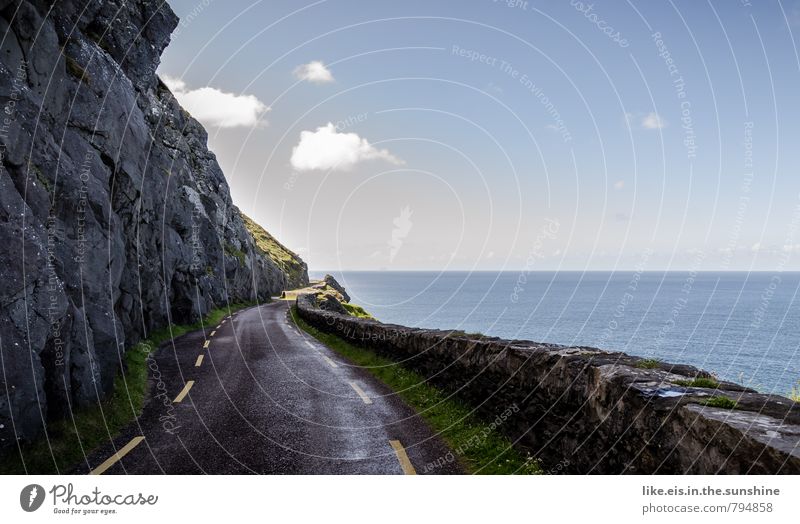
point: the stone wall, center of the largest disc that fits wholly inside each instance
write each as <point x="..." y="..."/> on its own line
<point x="584" y="410"/>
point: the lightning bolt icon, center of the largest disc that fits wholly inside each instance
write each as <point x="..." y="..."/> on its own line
<point x="32" y="496"/>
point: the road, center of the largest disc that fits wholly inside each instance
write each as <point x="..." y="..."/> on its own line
<point x="256" y="395"/>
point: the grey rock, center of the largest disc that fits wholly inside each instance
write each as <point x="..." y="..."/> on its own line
<point x="114" y="215"/>
<point x="332" y="282"/>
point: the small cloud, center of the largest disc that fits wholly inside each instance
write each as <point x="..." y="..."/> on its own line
<point x="494" y="88"/>
<point x="755" y="248"/>
<point x="490" y="255"/>
<point x="622" y="217"/>
<point x="327" y="149"/>
<point x="653" y="121"/>
<point x="314" y="72"/>
<point x="791" y="248"/>
<point x="619" y="184"/>
<point x="402" y="226"/>
<point x="216" y="108"/>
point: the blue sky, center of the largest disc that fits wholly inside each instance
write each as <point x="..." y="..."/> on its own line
<point x="504" y="135"/>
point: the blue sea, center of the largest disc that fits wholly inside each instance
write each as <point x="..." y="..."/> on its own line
<point x="743" y="327"/>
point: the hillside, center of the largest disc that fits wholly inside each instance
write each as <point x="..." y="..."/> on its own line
<point x="294" y="267"/>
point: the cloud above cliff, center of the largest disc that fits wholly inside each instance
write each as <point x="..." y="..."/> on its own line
<point x="216" y="108"/>
<point x="326" y="149"/>
<point x="314" y="72"/>
<point x="647" y="121"/>
<point x="653" y="121"/>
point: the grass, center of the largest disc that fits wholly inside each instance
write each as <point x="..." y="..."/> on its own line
<point x="478" y="445"/>
<point x="68" y="440"/>
<point x="238" y="253"/>
<point x="721" y="402"/>
<point x="648" y="363"/>
<point x="288" y="261"/>
<point x="357" y="311"/>
<point x="795" y="393"/>
<point x="699" y="383"/>
<point x="46" y="184"/>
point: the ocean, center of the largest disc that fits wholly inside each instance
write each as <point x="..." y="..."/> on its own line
<point x="743" y="327"/>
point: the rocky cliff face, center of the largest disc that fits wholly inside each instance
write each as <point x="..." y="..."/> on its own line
<point x="115" y="219"/>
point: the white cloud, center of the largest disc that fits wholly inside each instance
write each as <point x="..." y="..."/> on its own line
<point x="653" y="121"/>
<point x="314" y="72"/>
<point x="215" y="108"/>
<point x="494" y="88"/>
<point x="327" y="149"/>
<point x="619" y="185"/>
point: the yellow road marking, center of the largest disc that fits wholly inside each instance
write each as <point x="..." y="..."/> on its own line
<point x="199" y="361"/>
<point x="99" y="470"/>
<point x="213" y="333"/>
<point x="402" y="457"/>
<point x="329" y="361"/>
<point x="206" y="343"/>
<point x="361" y="393"/>
<point x="184" y="391"/>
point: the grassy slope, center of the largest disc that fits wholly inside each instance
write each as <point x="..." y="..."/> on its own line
<point x="285" y="258"/>
<point x="357" y="311"/>
<point x="477" y="444"/>
<point x="88" y="428"/>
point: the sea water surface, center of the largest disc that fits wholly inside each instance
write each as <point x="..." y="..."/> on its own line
<point x="741" y="326"/>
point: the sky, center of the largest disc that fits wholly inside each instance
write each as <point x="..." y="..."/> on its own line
<point x="504" y="135"/>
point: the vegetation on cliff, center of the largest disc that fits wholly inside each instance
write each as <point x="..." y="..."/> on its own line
<point x="291" y="264"/>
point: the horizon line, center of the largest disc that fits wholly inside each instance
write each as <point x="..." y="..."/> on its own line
<point x="521" y="270"/>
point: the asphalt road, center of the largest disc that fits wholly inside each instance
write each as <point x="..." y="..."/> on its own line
<point x="256" y="395"/>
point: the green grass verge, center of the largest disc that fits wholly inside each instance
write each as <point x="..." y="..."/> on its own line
<point x="90" y="427"/>
<point x="794" y="394"/>
<point x="357" y="311"/>
<point x="709" y="383"/>
<point x="477" y="443"/>
<point x="721" y="402"/>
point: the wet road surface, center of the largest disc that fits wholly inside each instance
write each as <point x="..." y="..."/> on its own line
<point x="256" y="395"/>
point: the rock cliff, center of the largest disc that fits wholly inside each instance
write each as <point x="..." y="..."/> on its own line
<point x="115" y="218"/>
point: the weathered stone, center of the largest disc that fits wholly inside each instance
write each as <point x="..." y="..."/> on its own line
<point x="115" y="217"/>
<point x="330" y="281"/>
